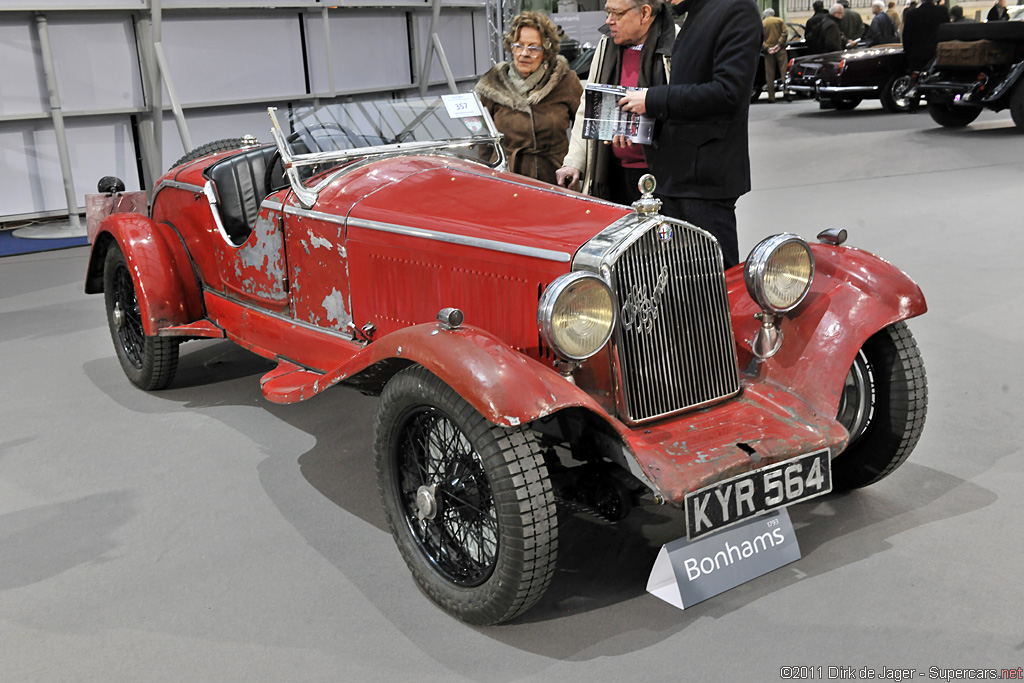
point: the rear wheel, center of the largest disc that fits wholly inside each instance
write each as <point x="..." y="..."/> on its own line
<point x="883" y="406"/>
<point x="1017" y="105"/>
<point x="469" y="503"/>
<point x="952" y="116"/>
<point x="894" y="93"/>
<point x="149" y="362"/>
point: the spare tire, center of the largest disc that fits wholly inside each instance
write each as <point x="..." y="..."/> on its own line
<point x="211" y="148"/>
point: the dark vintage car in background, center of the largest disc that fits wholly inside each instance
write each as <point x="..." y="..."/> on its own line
<point x="528" y="344"/>
<point x="842" y="80"/>
<point x="977" y="67"/>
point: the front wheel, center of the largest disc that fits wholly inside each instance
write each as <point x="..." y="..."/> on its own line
<point x="952" y="116"/>
<point x="894" y="93"/>
<point x="149" y="362"/>
<point x="469" y="503"/>
<point x="883" y="406"/>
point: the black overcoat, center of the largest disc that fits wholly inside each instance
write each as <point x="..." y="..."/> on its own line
<point x="701" y="147"/>
<point x="921" y="33"/>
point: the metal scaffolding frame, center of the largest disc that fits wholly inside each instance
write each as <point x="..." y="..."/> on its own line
<point x="499" y="16"/>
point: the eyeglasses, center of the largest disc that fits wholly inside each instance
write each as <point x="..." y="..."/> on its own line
<point x="616" y="14"/>
<point x="531" y="50"/>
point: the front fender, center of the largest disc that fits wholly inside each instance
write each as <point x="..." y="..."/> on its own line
<point x="165" y="285"/>
<point x="854" y="295"/>
<point x="505" y="386"/>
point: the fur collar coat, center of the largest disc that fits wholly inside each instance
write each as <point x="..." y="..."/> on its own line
<point x="535" y="124"/>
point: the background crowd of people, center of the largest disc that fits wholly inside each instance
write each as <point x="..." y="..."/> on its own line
<point x="691" y="65"/>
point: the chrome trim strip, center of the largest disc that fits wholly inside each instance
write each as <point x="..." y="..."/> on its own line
<point x="318" y="215"/>
<point x="848" y="89"/>
<point x="188" y="187"/>
<point x="283" y="318"/>
<point x="213" y="200"/>
<point x="480" y="243"/>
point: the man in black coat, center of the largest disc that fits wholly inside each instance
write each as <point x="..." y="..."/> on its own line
<point x="921" y="33"/>
<point x="701" y="157"/>
<point x="832" y="38"/>
<point x="813" y="29"/>
<point x="851" y="23"/>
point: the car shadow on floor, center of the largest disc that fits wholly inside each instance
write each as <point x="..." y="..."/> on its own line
<point x="599" y="587"/>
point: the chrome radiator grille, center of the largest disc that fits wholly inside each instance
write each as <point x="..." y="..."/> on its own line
<point x="674" y="346"/>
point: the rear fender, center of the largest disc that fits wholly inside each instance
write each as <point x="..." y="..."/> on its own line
<point x="502" y="384"/>
<point x="161" y="269"/>
<point x="854" y="295"/>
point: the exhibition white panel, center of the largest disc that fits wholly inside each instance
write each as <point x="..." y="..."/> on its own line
<point x="369" y="49"/>
<point x="30" y="170"/>
<point x="215" y="57"/>
<point x="22" y="91"/>
<point x="456" y="31"/>
<point x="96" y="61"/>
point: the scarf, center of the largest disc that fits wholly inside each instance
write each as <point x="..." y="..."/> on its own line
<point x="525" y="85"/>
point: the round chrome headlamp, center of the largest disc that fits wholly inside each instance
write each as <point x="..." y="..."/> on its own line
<point x="779" y="272"/>
<point x="576" y="315"/>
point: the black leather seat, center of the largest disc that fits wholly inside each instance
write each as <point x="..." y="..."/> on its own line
<point x="241" y="183"/>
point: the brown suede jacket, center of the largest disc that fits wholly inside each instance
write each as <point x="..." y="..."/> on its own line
<point x="535" y="125"/>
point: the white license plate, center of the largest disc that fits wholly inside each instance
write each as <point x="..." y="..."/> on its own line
<point x="747" y="495"/>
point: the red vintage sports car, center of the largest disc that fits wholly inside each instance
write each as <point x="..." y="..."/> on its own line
<point x="528" y="343"/>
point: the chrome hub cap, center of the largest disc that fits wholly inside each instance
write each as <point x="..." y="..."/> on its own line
<point x="426" y="502"/>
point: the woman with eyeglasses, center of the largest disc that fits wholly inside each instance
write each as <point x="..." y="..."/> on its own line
<point x="533" y="98"/>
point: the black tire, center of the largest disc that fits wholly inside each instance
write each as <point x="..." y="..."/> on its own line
<point x="1017" y="105"/>
<point x="149" y="362"/>
<point x="211" y="148"/>
<point x="469" y="503"/>
<point x="847" y="104"/>
<point x="952" y="116"/>
<point x="884" y="404"/>
<point x="894" y="93"/>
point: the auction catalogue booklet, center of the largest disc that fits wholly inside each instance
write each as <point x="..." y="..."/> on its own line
<point x="603" y="118"/>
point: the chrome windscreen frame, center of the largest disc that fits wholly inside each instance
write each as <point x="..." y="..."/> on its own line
<point x="307" y="195"/>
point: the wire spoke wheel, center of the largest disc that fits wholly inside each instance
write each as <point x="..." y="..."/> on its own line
<point x="148" y="361"/>
<point x="469" y="503"/>
<point x="127" y="318"/>
<point x="448" y="503"/>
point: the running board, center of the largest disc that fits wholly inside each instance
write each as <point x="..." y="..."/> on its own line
<point x="203" y="329"/>
<point x="289" y="383"/>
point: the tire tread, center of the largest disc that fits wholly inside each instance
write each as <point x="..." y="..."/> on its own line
<point x="899" y="420"/>
<point x="528" y="512"/>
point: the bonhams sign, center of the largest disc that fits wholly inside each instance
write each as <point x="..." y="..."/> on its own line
<point x="687" y="572"/>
